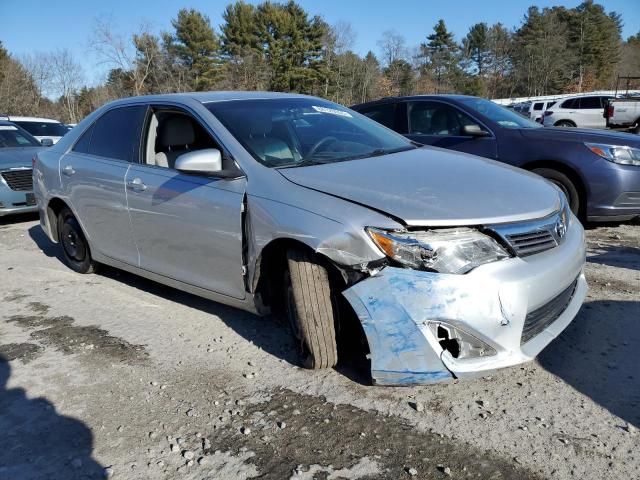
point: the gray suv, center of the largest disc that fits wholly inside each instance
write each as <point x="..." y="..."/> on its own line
<point x="452" y="265"/>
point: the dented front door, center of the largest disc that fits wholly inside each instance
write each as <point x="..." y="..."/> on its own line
<point x="188" y="227"/>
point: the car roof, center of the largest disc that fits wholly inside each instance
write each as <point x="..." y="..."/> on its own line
<point x="32" y="119"/>
<point x="448" y="96"/>
<point x="210" y="97"/>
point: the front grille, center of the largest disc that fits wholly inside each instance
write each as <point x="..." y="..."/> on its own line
<point x="534" y="236"/>
<point x="531" y="242"/>
<point x="19" y="180"/>
<point x="542" y="317"/>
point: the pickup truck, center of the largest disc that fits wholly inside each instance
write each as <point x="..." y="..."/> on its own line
<point x="624" y="113"/>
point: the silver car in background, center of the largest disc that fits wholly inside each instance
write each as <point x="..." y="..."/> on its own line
<point x="451" y="265"/>
<point x="17" y="150"/>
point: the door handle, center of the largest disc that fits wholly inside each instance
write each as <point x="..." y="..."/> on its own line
<point x="68" y="170"/>
<point x="136" y="185"/>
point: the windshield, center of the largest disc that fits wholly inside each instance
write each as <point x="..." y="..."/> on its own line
<point x="11" y="136"/>
<point x="43" y="129"/>
<point x="289" y="132"/>
<point x="502" y="116"/>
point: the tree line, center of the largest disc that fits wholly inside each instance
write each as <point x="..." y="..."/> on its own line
<point x="282" y="47"/>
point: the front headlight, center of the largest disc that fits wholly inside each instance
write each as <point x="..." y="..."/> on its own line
<point x="616" y="153"/>
<point x="451" y="250"/>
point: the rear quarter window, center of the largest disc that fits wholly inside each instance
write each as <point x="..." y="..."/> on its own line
<point x="116" y="134"/>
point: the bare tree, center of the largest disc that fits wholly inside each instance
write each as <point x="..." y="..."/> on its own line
<point x="66" y="80"/>
<point x="392" y="46"/>
<point x="133" y="56"/>
<point x="38" y="65"/>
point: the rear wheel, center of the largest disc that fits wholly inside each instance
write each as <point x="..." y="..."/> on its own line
<point x="565" y="123"/>
<point x="565" y="184"/>
<point x="310" y="309"/>
<point x="75" y="247"/>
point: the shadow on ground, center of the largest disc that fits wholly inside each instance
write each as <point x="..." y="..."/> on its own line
<point x="598" y="355"/>
<point x="270" y="333"/>
<point x="615" y="256"/>
<point x="38" y="443"/>
<point x="19" y="218"/>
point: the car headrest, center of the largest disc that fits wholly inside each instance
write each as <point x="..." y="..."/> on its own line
<point x="176" y="130"/>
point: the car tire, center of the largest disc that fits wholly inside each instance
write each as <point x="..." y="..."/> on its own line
<point x="566" y="185"/>
<point x="565" y="124"/>
<point x="310" y="309"/>
<point x="75" y="248"/>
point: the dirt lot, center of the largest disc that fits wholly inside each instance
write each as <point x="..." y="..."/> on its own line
<point x="112" y="375"/>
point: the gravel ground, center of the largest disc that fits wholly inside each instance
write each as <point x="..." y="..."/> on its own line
<point x="111" y="375"/>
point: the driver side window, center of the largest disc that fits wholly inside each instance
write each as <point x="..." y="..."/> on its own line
<point x="172" y="132"/>
<point x="436" y="118"/>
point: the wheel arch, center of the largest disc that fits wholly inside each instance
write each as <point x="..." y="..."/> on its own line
<point x="54" y="207"/>
<point x="565" y="120"/>
<point x="271" y="263"/>
<point x="569" y="171"/>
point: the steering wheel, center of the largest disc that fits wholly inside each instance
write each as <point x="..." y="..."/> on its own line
<point x="319" y="144"/>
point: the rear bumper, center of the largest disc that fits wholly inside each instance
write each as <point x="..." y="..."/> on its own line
<point x="398" y="308"/>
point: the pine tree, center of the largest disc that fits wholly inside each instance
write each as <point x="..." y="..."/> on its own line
<point x="196" y="47"/>
<point x="442" y="55"/>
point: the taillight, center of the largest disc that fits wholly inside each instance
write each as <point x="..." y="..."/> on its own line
<point x="548" y="113"/>
<point x="608" y="112"/>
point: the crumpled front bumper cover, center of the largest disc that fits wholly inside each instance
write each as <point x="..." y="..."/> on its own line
<point x="491" y="303"/>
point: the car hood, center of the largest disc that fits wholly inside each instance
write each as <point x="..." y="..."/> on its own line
<point x="17" y="157"/>
<point x="581" y="135"/>
<point x="434" y="187"/>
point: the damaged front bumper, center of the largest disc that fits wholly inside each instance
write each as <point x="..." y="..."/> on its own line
<point x="509" y="310"/>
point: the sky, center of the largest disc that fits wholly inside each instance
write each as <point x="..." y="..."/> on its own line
<point x="28" y="26"/>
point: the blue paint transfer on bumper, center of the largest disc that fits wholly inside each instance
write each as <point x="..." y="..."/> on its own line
<point x="491" y="303"/>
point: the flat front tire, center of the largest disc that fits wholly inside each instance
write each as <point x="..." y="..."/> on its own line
<point x="565" y="184"/>
<point x="75" y="247"/>
<point x="310" y="309"/>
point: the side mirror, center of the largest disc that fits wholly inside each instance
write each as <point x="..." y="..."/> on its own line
<point x="46" y="142"/>
<point x="208" y="161"/>
<point x="474" y="130"/>
<point x="205" y="162"/>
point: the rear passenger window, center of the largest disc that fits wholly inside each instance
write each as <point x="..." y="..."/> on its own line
<point x="590" y="102"/>
<point x="116" y="134"/>
<point x="384" y="114"/>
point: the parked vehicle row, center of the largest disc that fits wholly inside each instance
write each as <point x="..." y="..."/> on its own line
<point x="451" y="264"/>
<point x="579" y="111"/>
<point x="598" y="171"/>
<point x="46" y="130"/>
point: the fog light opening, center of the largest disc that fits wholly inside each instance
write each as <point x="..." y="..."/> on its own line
<point x="459" y="343"/>
<point x="448" y="344"/>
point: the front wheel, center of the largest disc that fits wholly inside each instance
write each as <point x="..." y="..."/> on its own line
<point x="566" y="185"/>
<point x="310" y="309"/>
<point x="75" y="247"/>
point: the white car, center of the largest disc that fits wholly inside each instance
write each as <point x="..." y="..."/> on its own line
<point x="41" y="128"/>
<point x="537" y="109"/>
<point x="583" y="111"/>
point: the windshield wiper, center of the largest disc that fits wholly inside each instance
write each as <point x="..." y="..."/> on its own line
<point x="303" y="163"/>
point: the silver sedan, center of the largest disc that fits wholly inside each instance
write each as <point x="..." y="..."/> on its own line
<point x="451" y="265"/>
